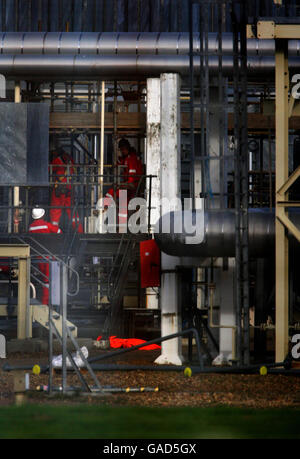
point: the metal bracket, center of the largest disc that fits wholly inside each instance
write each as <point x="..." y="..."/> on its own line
<point x="266" y="29"/>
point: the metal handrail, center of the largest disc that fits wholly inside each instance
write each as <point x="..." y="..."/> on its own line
<point x="122" y="240"/>
<point x="53" y="256"/>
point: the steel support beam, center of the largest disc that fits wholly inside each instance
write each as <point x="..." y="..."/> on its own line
<point x="282" y="265"/>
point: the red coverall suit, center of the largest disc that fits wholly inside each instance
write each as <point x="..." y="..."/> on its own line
<point x="61" y="195"/>
<point x="41" y="226"/>
<point x="131" y="173"/>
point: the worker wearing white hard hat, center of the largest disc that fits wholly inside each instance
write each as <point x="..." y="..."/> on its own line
<point x="37" y="213"/>
<point x="39" y="225"/>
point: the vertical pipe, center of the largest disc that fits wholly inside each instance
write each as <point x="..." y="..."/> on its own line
<point x="52" y="93"/>
<point x="16" y="188"/>
<point x="67" y="97"/>
<point x="115" y="134"/>
<point x="192" y="136"/>
<point x="101" y="158"/>
<point x="102" y="139"/>
<point x="244" y="186"/>
<point x="50" y="339"/>
<point x="237" y="202"/>
<point x="222" y="113"/>
<point x="241" y="184"/>
<point x="206" y="168"/>
<point x="64" y="289"/>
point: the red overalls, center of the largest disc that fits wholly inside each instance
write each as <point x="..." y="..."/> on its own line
<point x="61" y="195"/>
<point x="130" y="174"/>
<point x="41" y="226"/>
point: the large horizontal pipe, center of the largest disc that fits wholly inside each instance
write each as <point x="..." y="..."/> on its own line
<point x="128" y="43"/>
<point x="216" y="230"/>
<point x="90" y="67"/>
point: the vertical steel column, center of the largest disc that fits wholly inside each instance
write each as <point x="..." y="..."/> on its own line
<point x="16" y="188"/>
<point x="24" y="314"/>
<point x="241" y="184"/>
<point x="282" y="271"/>
<point x="50" y="338"/>
<point x="223" y="113"/>
<point x="192" y="135"/>
<point x="170" y="192"/>
<point x="244" y="186"/>
<point x="63" y="306"/>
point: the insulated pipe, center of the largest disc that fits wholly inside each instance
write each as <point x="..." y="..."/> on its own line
<point x="93" y="67"/>
<point x="215" y="234"/>
<point x="250" y="369"/>
<point x="127" y="43"/>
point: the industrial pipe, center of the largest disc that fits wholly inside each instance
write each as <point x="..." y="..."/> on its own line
<point x="249" y="369"/>
<point x="128" y="43"/>
<point x="278" y="368"/>
<point x="213" y="232"/>
<point x="122" y="66"/>
<point x="120" y="55"/>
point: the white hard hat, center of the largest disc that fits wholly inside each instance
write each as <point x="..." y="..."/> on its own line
<point x="38" y="213"/>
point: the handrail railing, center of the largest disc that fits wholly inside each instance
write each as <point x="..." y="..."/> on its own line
<point x="51" y="255"/>
<point x="84" y="200"/>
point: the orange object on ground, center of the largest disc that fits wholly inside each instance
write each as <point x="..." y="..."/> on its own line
<point x="117" y="343"/>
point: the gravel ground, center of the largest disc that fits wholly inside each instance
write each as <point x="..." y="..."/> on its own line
<point x="175" y="389"/>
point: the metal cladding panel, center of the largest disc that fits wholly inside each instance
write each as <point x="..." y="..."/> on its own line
<point x="13" y="121"/>
<point x="24" y="144"/>
<point x="122" y="15"/>
<point x="37" y="144"/>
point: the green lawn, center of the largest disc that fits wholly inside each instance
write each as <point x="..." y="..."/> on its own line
<point x="102" y="422"/>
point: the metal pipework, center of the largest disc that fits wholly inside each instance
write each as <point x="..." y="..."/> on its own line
<point x="127" y="43"/>
<point x="62" y="56"/>
<point x="216" y="233"/>
<point x="91" y="67"/>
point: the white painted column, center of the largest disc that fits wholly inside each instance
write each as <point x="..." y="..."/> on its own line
<point x="153" y="146"/>
<point x="153" y="165"/>
<point x="170" y="190"/>
<point x="227" y="313"/>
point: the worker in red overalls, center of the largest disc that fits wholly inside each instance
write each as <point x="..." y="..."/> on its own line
<point x="39" y="225"/>
<point x="62" y="169"/>
<point x="131" y="171"/>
